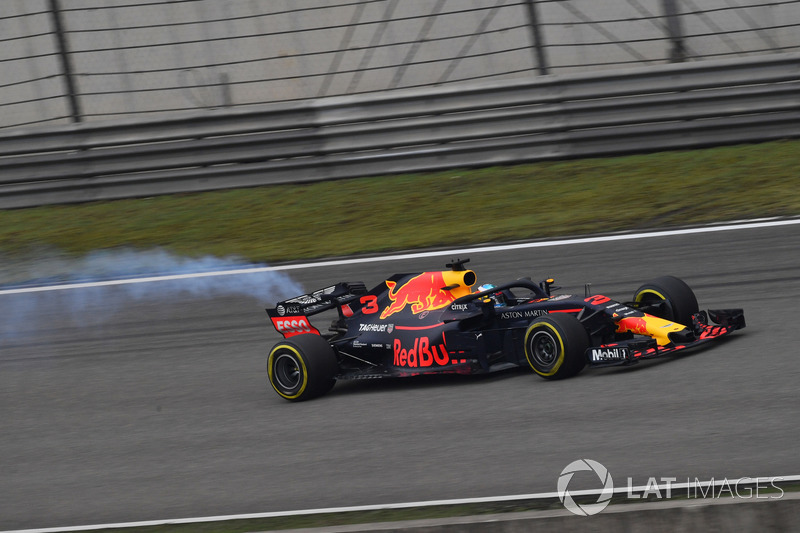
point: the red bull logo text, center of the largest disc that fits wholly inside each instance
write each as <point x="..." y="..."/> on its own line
<point x="423" y="293"/>
<point x="422" y="354"/>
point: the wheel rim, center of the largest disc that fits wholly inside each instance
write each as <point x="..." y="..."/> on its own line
<point x="544" y="349"/>
<point x="287" y="372"/>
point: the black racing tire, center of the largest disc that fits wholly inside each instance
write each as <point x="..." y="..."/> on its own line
<point x="302" y="367"/>
<point x="555" y="346"/>
<point x="680" y="301"/>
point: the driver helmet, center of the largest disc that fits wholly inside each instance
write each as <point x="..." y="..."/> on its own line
<point x="498" y="298"/>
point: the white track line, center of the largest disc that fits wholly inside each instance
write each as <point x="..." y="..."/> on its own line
<point x="751" y="224"/>
<point x="516" y="497"/>
<point x="495" y="248"/>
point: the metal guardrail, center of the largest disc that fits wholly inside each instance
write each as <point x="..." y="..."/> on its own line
<point x="551" y="117"/>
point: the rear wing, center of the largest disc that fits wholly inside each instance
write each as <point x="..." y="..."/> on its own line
<point x="290" y="317"/>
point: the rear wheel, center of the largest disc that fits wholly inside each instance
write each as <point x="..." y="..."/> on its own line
<point x="670" y="298"/>
<point x="302" y="367"/>
<point x="555" y="346"/>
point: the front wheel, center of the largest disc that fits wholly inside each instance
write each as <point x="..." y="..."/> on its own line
<point x="555" y="346"/>
<point x="302" y="367"/>
<point x="670" y="298"/>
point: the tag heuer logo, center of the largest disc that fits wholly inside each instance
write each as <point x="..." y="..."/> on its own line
<point x="390" y="328"/>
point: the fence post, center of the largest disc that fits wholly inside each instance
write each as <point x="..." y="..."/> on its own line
<point x="66" y="62"/>
<point x="538" y="38"/>
<point x="677" y="53"/>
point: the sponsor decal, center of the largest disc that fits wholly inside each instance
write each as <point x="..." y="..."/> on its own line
<point x="283" y="310"/>
<point x="289" y="327"/>
<point x="508" y="315"/>
<point x="376" y="328"/>
<point x="305" y="299"/>
<point x="421" y="354"/>
<point x="322" y="292"/>
<point x="560" y="297"/>
<point x="459" y="307"/>
<point x="603" y="355"/>
<point x="652" y="326"/>
<point x="633" y="324"/>
<point x="423" y="293"/>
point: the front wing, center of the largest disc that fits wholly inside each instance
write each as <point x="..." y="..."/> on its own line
<point x="629" y="352"/>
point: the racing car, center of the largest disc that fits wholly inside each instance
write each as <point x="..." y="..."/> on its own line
<point x="434" y="322"/>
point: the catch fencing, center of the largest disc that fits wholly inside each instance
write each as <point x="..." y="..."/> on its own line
<point x="67" y="61"/>
<point x="685" y="105"/>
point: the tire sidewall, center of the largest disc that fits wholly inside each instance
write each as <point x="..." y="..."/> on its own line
<point x="314" y="360"/>
<point x="282" y="350"/>
<point x="544" y="330"/>
<point x="568" y="338"/>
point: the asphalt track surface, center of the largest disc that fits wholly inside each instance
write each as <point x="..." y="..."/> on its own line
<point x="128" y="409"/>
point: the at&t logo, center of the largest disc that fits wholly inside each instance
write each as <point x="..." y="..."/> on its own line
<point x="585" y="509"/>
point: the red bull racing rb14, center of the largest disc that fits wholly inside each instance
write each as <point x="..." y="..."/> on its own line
<point x="439" y="322"/>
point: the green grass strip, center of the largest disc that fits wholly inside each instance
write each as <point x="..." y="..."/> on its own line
<point x="454" y="208"/>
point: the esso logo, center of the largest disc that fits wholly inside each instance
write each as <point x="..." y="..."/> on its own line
<point x="293" y="326"/>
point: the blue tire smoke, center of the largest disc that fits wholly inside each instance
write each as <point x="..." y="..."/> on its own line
<point x="94" y="305"/>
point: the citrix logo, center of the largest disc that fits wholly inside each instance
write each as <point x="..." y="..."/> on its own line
<point x="586" y="509"/>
